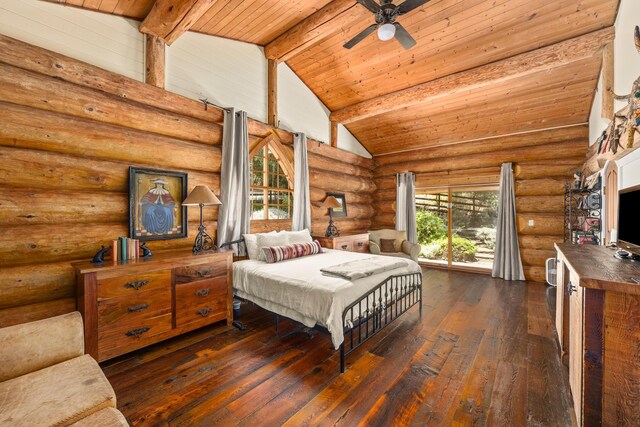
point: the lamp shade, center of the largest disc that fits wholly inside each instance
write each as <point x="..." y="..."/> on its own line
<point x="201" y="195"/>
<point x="331" y="202"/>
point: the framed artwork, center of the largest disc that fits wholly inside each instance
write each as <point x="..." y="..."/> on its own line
<point x="155" y="204"/>
<point x="341" y="211"/>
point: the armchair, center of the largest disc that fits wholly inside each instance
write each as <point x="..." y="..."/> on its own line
<point x="403" y="247"/>
<point x="46" y="379"/>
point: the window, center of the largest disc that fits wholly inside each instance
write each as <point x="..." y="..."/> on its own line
<point x="271" y="182"/>
<point x="457" y="225"/>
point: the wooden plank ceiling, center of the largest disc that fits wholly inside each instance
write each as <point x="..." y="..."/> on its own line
<point x="453" y="36"/>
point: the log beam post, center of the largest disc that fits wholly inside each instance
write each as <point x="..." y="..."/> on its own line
<point x="272" y="92"/>
<point x="315" y="28"/>
<point x="525" y="64"/>
<point x="607" y="82"/>
<point x="169" y="19"/>
<point x="154" y="61"/>
<point x="334" y="134"/>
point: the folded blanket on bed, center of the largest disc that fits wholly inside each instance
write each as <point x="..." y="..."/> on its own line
<point x="360" y="268"/>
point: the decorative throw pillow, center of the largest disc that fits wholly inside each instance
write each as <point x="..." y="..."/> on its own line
<point x="265" y="240"/>
<point x="387" y="245"/>
<point x="280" y="253"/>
<point x="302" y="236"/>
<point x="251" y="242"/>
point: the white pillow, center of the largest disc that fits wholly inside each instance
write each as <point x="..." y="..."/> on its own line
<point x="302" y="236"/>
<point x="251" y="242"/>
<point x="265" y="240"/>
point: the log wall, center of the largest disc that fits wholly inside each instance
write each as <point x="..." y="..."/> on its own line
<point x="543" y="161"/>
<point x="68" y="135"/>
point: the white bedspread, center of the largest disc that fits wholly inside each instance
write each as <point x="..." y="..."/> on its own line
<point x="359" y="268"/>
<point x="297" y="289"/>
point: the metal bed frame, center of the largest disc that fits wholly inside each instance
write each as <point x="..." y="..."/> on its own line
<point x="372" y="312"/>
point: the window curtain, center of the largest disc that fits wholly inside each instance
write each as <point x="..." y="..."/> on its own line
<point x="301" y="198"/>
<point x="235" y="212"/>
<point x="507" y="263"/>
<point x="406" y="205"/>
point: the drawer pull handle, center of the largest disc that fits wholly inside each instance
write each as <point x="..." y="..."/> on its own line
<point x="360" y="244"/>
<point x="571" y="288"/>
<point x="137" y="332"/>
<point x="204" y="312"/>
<point x="135" y="308"/>
<point x="137" y="284"/>
<point x="344" y="247"/>
<point x="203" y="292"/>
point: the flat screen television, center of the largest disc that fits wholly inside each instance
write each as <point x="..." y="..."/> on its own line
<point x="629" y="220"/>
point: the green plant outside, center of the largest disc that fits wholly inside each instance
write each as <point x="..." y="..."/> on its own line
<point x="430" y="227"/>
<point x="463" y="250"/>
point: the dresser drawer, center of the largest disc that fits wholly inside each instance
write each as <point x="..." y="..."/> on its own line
<point x="132" y="309"/>
<point x="128" y="337"/>
<point x="135" y="283"/>
<point x="202" y="302"/>
<point x="361" y="244"/>
<point x="343" y="244"/>
<point x="194" y="273"/>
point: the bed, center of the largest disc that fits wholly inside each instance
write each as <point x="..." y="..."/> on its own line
<point x="350" y="311"/>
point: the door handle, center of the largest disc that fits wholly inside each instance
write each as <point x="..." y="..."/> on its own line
<point x="571" y="288"/>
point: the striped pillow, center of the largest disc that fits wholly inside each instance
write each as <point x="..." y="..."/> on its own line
<point x="280" y="253"/>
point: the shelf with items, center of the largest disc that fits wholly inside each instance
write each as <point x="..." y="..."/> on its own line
<point x="582" y="214"/>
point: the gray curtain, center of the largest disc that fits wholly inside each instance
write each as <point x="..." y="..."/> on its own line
<point x="235" y="212"/>
<point x="406" y="205"/>
<point x="506" y="262"/>
<point x="301" y="198"/>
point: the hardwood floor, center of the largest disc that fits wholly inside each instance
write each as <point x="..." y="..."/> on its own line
<point x="483" y="353"/>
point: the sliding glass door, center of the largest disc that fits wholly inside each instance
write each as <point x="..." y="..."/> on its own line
<point x="457" y="226"/>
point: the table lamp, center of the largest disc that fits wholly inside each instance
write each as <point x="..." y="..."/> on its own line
<point x="331" y="203"/>
<point x="202" y="196"/>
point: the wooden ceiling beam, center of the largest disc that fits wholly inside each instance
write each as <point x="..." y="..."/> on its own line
<point x="312" y="30"/>
<point x="169" y="19"/>
<point x="518" y="66"/>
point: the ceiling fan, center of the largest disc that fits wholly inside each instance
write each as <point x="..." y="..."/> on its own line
<point x="386" y="15"/>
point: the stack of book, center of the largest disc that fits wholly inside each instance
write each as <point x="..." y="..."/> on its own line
<point x="125" y="249"/>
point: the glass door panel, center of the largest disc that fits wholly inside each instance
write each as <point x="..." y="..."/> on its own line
<point x="432" y="221"/>
<point x="474" y="215"/>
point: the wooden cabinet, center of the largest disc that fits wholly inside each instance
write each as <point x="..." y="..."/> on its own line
<point x="132" y="304"/>
<point x="351" y="243"/>
<point x="598" y="323"/>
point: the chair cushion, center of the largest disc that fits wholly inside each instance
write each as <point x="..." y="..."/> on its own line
<point x="104" y="418"/>
<point x="388" y="245"/>
<point x="399" y="236"/>
<point x="58" y="395"/>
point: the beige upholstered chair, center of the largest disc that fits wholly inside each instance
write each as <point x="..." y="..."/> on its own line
<point x="403" y="247"/>
<point x="46" y="379"/>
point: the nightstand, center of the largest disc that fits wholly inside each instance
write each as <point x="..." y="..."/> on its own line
<point x="351" y="243"/>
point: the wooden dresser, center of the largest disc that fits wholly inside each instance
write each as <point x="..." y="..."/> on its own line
<point x="598" y="324"/>
<point x="351" y="243"/>
<point x="132" y="304"/>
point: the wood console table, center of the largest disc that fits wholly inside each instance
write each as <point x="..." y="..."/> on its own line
<point x="135" y="303"/>
<point x="598" y="324"/>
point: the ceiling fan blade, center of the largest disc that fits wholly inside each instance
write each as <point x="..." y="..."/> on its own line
<point x="361" y="36"/>
<point x="409" y="5"/>
<point x="404" y="37"/>
<point x="370" y="4"/>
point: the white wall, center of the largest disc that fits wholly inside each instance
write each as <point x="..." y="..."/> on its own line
<point x="626" y="65"/>
<point x="109" y="42"/>
<point x="227" y="72"/>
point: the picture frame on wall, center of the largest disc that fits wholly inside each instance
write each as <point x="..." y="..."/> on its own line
<point x="155" y="204"/>
<point x="341" y="211"/>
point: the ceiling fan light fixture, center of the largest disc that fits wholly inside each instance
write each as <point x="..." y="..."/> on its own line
<point x="386" y="31"/>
